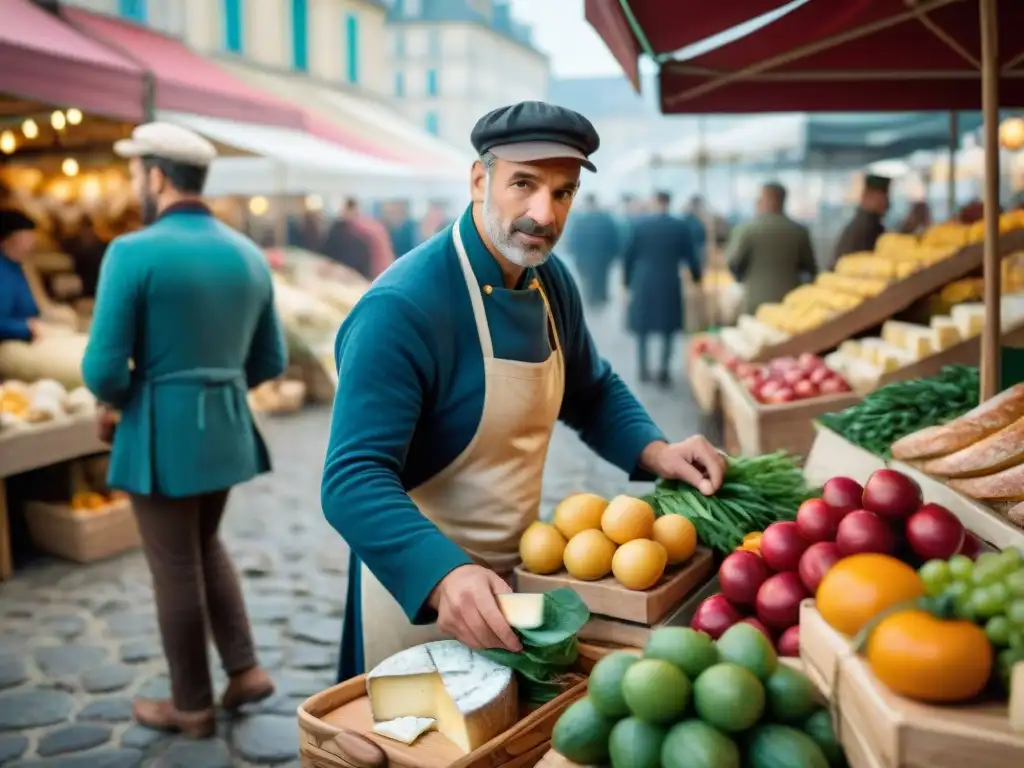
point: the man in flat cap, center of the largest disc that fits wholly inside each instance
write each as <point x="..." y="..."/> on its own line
<point x="19" y="315"/>
<point x="866" y="227"/>
<point x="184" y="326"/>
<point x="453" y="369"/>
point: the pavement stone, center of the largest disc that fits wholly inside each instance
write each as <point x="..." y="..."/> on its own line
<point x="73" y="738"/>
<point x="294" y="572"/>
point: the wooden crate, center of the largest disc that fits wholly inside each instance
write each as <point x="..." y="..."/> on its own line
<point x="754" y="429"/>
<point x="56" y="529"/>
<point x="700" y="373"/>
<point x="832" y="455"/>
<point x="335" y="732"/>
<point x="879" y="729"/>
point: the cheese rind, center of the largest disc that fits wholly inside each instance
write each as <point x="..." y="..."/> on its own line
<point x="404" y="729"/>
<point x="472" y="698"/>
<point x="522" y="610"/>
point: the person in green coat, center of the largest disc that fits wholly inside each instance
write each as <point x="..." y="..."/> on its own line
<point x="184" y="326"/>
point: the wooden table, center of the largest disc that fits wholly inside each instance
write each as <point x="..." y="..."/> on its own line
<point x="23" y="449"/>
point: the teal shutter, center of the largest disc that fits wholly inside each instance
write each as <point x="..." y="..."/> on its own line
<point x="352" y="47"/>
<point x="300" y="35"/>
<point x="431" y="82"/>
<point x="134" y="10"/>
<point x="399" y="84"/>
<point x="233" y="25"/>
<point x="430" y="123"/>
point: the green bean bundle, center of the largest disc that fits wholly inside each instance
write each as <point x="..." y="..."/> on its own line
<point x="898" y="409"/>
<point x="757" y="491"/>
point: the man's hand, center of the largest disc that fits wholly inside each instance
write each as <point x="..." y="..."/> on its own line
<point x="106" y="423"/>
<point x="468" y="611"/>
<point x="694" y="461"/>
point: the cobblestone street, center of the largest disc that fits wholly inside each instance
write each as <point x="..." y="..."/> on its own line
<point x="78" y="642"/>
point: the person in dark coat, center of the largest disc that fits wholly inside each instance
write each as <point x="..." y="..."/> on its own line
<point x="19" y="315"/>
<point x="346" y="245"/>
<point x="866" y="227"/>
<point x="659" y="245"/>
<point x="594" y="244"/>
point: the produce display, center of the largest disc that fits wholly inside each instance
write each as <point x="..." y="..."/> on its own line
<point x="46" y="400"/>
<point x="756" y="492"/>
<point x="57" y="357"/>
<point x="896" y="410"/>
<point x="786" y="379"/>
<point x="706" y="345"/>
<point x="694" y="702"/>
<point x="92" y="503"/>
<point x="278" y="396"/>
<point x="764" y="581"/>
<point x="591" y="538"/>
<point x="472" y="696"/>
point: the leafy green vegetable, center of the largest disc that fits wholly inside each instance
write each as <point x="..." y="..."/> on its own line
<point x="757" y="491"/>
<point x="550" y="651"/>
<point x="904" y="407"/>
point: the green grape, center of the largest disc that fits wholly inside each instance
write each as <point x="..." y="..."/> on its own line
<point x="1012" y="555"/>
<point x="1015" y="612"/>
<point x="961" y="567"/>
<point x="987" y="559"/>
<point x="998" y="630"/>
<point x="985" y="602"/>
<point x="963" y="602"/>
<point x="985" y="574"/>
<point x="1017" y="640"/>
<point x="1015" y="583"/>
<point x="936" y="577"/>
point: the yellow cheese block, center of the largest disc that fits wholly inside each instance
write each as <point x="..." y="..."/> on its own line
<point x="1017" y="697"/>
<point x="522" y="610"/>
<point x="969" y="318"/>
<point x="945" y="333"/>
<point x="915" y="339"/>
<point x="471" y="698"/>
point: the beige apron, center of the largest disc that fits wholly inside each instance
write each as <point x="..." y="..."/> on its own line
<point x="491" y="492"/>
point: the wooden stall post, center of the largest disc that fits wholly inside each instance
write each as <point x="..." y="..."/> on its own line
<point x="990" y="378"/>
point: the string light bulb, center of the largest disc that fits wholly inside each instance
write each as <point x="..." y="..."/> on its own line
<point x="69" y="166"/>
<point x="258" y="206"/>
<point x="314" y="203"/>
<point x="58" y="121"/>
<point x="7" y="142"/>
<point x="30" y="129"/>
<point x="74" y="116"/>
<point x="1011" y="134"/>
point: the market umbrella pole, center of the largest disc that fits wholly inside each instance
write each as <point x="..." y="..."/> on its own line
<point x="992" y="272"/>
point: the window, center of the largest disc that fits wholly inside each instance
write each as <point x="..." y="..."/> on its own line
<point x="430" y="123"/>
<point x="133" y="9"/>
<point x="352" y="47"/>
<point x="233" y="19"/>
<point x="399" y="84"/>
<point x="399" y="41"/>
<point x="300" y="35"/>
<point x="431" y="82"/>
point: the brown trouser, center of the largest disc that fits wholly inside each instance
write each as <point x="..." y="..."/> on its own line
<point x="194" y="580"/>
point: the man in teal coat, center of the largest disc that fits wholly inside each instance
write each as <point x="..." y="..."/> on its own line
<point x="452" y="371"/>
<point x="184" y="326"/>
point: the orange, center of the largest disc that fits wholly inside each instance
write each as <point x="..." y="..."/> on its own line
<point x="858" y="588"/>
<point x="639" y="564"/>
<point x="588" y="555"/>
<point x="627" y="518"/>
<point x="541" y="548"/>
<point x="677" y="535"/>
<point x="579" y="512"/>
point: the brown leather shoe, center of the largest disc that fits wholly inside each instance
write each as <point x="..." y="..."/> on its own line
<point x="161" y="715"/>
<point x="248" y="687"/>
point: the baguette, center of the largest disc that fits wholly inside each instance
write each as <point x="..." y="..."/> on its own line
<point x="1016" y="514"/>
<point x="1007" y="485"/>
<point x="996" y="452"/>
<point x="978" y="423"/>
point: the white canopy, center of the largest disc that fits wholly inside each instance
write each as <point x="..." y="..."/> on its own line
<point x="289" y="162"/>
<point x="754" y="139"/>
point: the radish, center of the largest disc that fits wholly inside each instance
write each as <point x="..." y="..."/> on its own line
<point x="778" y="600"/>
<point x="864" y="531"/>
<point x="816" y="562"/>
<point x="782" y="546"/>
<point x="740" y="575"/>
<point x="891" y="494"/>
<point x="715" y="615"/>
<point x="971" y="547"/>
<point x="817" y="521"/>
<point x="935" y="532"/>
<point x="789" y="642"/>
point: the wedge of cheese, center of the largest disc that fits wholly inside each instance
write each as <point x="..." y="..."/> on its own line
<point x="946" y="334"/>
<point x="404" y="729"/>
<point x="522" y="610"/>
<point x="471" y="698"/>
<point x="918" y="340"/>
<point x="969" y="318"/>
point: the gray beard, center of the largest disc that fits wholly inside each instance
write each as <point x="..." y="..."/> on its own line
<point x="502" y="240"/>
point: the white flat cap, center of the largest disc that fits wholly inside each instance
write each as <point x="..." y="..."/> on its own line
<point x="169" y="141"/>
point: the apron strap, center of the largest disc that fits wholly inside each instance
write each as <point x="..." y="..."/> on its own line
<point x="479" y="314"/>
<point x="550" y="314"/>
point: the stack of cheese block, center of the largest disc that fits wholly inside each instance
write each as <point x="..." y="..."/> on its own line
<point x="23" y="404"/>
<point x="865" y="361"/>
<point x="750" y="336"/>
<point x="447" y="687"/>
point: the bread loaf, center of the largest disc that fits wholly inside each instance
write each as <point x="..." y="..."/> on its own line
<point x="1007" y="485"/>
<point x="998" y="451"/>
<point x="978" y="423"/>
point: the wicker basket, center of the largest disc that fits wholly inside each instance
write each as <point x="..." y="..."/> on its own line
<point x="56" y="529"/>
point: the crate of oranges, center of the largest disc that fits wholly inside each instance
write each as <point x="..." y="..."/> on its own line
<point x="90" y="526"/>
<point x="616" y="555"/>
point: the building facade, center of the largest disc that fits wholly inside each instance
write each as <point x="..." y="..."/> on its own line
<point x="335" y="41"/>
<point x="451" y="61"/>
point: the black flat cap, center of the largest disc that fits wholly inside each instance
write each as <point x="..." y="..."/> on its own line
<point x="535" y="130"/>
<point x="12" y="221"/>
<point x="880" y="183"/>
